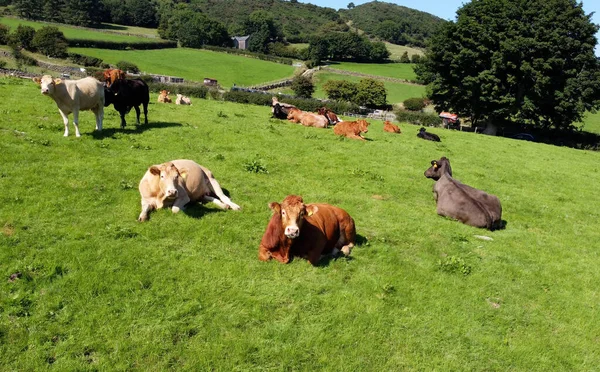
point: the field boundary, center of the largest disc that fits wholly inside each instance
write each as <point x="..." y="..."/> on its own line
<point x="360" y="74"/>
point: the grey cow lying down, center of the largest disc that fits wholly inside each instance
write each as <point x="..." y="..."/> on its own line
<point x="462" y="202"/>
<point x="175" y="183"/>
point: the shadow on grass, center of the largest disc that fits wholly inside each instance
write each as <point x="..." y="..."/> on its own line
<point x="132" y="129"/>
<point x="199" y="210"/>
<point x="105" y="26"/>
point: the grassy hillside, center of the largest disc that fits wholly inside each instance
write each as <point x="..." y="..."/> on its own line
<point x="100" y="291"/>
<point x="76" y="33"/>
<point x="396" y="92"/>
<point x="591" y="123"/>
<point x="195" y="64"/>
<point x="396" y="51"/>
<point x="394" y="70"/>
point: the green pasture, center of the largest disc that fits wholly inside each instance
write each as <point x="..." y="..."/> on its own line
<point x="394" y="70"/>
<point x="76" y="33"/>
<point x="591" y="123"/>
<point x="196" y="64"/>
<point x="396" y="92"/>
<point x="99" y="291"/>
<point x="396" y="51"/>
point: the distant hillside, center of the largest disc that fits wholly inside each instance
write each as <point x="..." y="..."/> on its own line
<point x="298" y="20"/>
<point x="393" y="23"/>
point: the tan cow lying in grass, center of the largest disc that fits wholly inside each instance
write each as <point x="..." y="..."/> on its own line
<point x="308" y="119"/>
<point x="72" y="96"/>
<point x="306" y="230"/>
<point x="352" y="129"/>
<point x="389" y="127"/>
<point x="175" y="183"/>
<point x="183" y="100"/>
<point x="163" y="97"/>
<point x="462" y="202"/>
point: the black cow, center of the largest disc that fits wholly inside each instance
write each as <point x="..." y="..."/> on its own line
<point x="125" y="94"/>
<point x="428" y="136"/>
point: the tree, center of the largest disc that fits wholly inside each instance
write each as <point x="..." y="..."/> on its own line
<point x="415" y="58"/>
<point x="340" y="90"/>
<point x="27" y="8"/>
<point x="52" y="10"/>
<point x="540" y="70"/>
<point x="49" y="40"/>
<point x="351" y="6"/>
<point x="261" y="27"/>
<point x="404" y="58"/>
<point x="22" y="37"/>
<point x="370" y="93"/>
<point x="4" y="34"/>
<point x="303" y="86"/>
<point x="82" y="12"/>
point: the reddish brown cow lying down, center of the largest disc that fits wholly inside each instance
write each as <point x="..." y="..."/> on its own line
<point x="175" y="183"/>
<point x="306" y="230"/>
<point x="308" y="119"/>
<point x="389" y="127"/>
<point x="352" y="129"/>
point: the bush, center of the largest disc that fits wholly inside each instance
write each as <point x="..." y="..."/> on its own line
<point x="116" y="45"/>
<point x="4" y="34"/>
<point x="404" y="58"/>
<point x="85" y="60"/>
<point x="198" y="91"/>
<point x="415" y="58"/>
<point x="414" y="104"/>
<point x="22" y="37"/>
<point x="303" y="86"/>
<point x="418" y="118"/>
<point x="49" y="40"/>
<point x="128" y="67"/>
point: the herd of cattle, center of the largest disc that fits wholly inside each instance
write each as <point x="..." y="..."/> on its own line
<point x="295" y="229"/>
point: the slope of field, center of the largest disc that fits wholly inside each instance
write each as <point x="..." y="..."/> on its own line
<point x="394" y="70"/>
<point x="195" y="64"/>
<point x="396" y="51"/>
<point x="93" y="289"/>
<point x="591" y="123"/>
<point x="76" y="33"/>
<point x="396" y="92"/>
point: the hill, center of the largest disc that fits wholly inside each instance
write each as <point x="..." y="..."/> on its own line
<point x="96" y="290"/>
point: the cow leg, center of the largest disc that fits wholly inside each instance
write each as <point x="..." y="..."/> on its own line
<point x="65" y="121"/>
<point x="145" y="113"/>
<point x="216" y="188"/>
<point x="220" y="204"/>
<point x="146" y="208"/>
<point x="76" y="121"/>
<point x="123" y="122"/>
<point x="99" y="113"/>
<point x="356" y="137"/>
<point x="137" y="113"/>
<point x="180" y="202"/>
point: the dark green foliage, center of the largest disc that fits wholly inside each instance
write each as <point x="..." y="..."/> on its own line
<point x="281" y="50"/>
<point x="192" y="29"/>
<point x="414" y="104"/>
<point x="85" y="60"/>
<point x="454" y="265"/>
<point x="404" y="58"/>
<point x="82" y="12"/>
<point x="303" y="86"/>
<point x="28" y="8"/>
<point x="261" y="56"/>
<point x="341" y="90"/>
<point x="117" y="45"/>
<point x="52" y="10"/>
<point x="262" y="29"/>
<point x="22" y="37"/>
<point x="367" y="92"/>
<point x="418" y="118"/>
<point x="49" y="40"/>
<point x="128" y="67"/>
<point x="415" y="58"/>
<point x="539" y="71"/>
<point x="264" y="99"/>
<point x="346" y="46"/>
<point x="392" y="31"/>
<point x="4" y="34"/>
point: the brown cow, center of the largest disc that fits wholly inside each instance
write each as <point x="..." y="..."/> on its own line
<point x="306" y="230"/>
<point x="178" y="182"/>
<point x="112" y="74"/>
<point x="163" y="97"/>
<point x="329" y="115"/>
<point x="352" y="129"/>
<point x="308" y="119"/>
<point x="389" y="127"/>
<point x="461" y="202"/>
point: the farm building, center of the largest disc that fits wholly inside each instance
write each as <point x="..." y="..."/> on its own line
<point x="240" y="42"/>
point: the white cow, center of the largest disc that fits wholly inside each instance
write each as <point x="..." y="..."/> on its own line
<point x="183" y="100"/>
<point x="175" y="183"/>
<point x="71" y="96"/>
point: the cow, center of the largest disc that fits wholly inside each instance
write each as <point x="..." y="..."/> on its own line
<point x="112" y="75"/>
<point x="125" y="94"/>
<point x="427" y="135"/>
<point x="308" y="119"/>
<point x="72" y="96"/>
<point x="280" y="110"/>
<point x="389" y="127"/>
<point x="183" y="100"/>
<point x="352" y="129"/>
<point x="461" y="202"/>
<point x="176" y="183"/>
<point x="306" y="230"/>
<point x="329" y="115"/>
<point x="163" y="97"/>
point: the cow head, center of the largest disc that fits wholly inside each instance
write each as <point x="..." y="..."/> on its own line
<point x="292" y="211"/>
<point x="439" y="168"/>
<point x="169" y="178"/>
<point x="292" y="113"/>
<point x="363" y="125"/>
<point x="47" y="84"/>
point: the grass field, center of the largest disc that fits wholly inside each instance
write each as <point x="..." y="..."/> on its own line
<point x="591" y="123"/>
<point x="100" y="291"/>
<point x="196" y="64"/>
<point x="76" y="33"/>
<point x="396" y="51"/>
<point x="396" y="92"/>
<point x="394" y="70"/>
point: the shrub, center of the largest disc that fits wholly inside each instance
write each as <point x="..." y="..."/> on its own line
<point x="414" y="104"/>
<point x="418" y="118"/>
<point x="22" y="37"/>
<point x="404" y="58"/>
<point x="255" y="166"/>
<point x="303" y="86"/>
<point x="117" y="45"/>
<point x="128" y="67"/>
<point x="49" y="40"/>
<point x="4" y="34"/>
<point x="415" y="58"/>
<point x="85" y="60"/>
<point x="454" y="264"/>
<point x="198" y="91"/>
<point x="340" y="89"/>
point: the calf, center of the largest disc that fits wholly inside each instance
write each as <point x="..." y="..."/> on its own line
<point x="112" y="75"/>
<point x="125" y="94"/>
<point x="175" y="183"/>
<point x="306" y="230"/>
<point x="308" y="119"/>
<point x="183" y="100"/>
<point x="329" y="115"/>
<point x="72" y="96"/>
<point x="427" y="135"/>
<point x="163" y="97"/>
<point x="352" y="129"/>
<point x="461" y="202"/>
<point x="389" y="127"/>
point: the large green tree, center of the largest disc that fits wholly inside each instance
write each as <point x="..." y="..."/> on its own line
<point x="515" y="62"/>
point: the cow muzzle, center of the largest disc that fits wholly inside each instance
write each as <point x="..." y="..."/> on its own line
<point x="45" y="91"/>
<point x="171" y="193"/>
<point x="292" y="232"/>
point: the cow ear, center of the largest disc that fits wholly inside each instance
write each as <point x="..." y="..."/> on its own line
<point x="311" y="209"/>
<point x="57" y="81"/>
<point x="275" y="207"/>
<point x="154" y="170"/>
<point x="37" y="80"/>
<point x="183" y="173"/>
